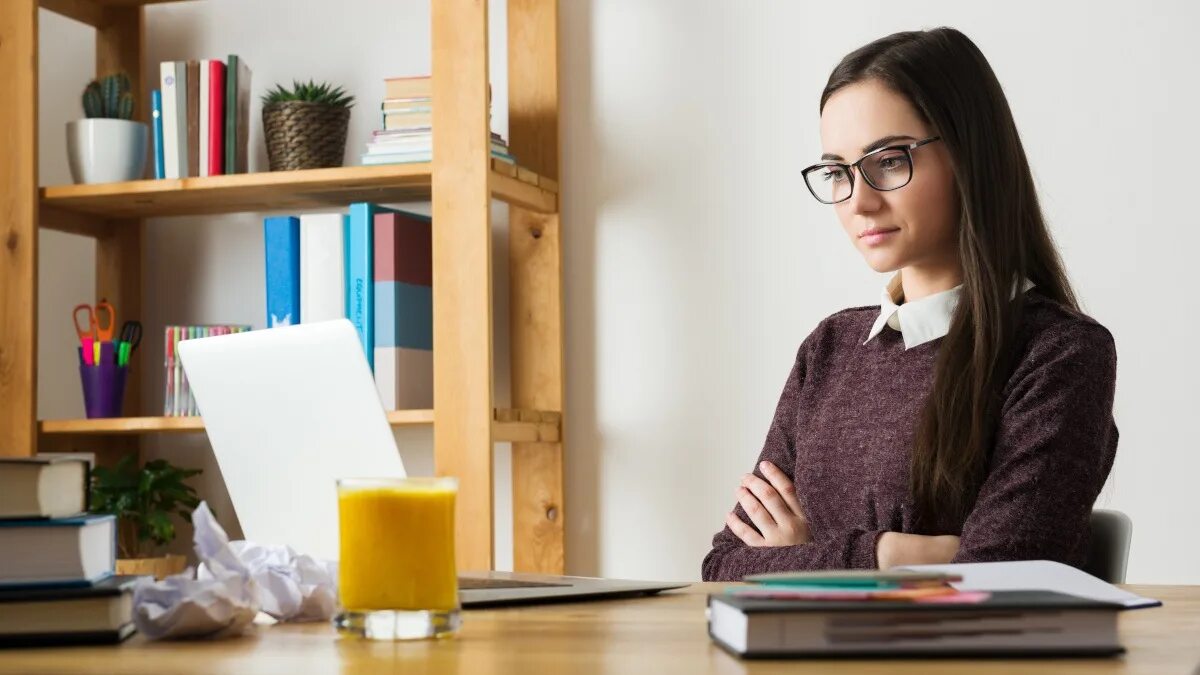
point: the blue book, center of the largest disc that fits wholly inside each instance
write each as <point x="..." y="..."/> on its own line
<point x="156" y="114"/>
<point x="57" y="552"/>
<point x="360" y="274"/>
<point x="281" y="237"/>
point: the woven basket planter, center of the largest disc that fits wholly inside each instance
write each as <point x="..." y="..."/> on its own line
<point x="303" y="135"/>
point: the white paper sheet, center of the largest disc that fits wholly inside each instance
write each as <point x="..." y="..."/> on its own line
<point x="1039" y="575"/>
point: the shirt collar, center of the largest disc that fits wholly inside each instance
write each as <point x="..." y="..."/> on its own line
<point x="919" y="321"/>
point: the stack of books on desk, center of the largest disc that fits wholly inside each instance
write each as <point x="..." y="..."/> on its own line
<point x="407" y="133"/>
<point x="56" y="561"/>
<point x="904" y="613"/>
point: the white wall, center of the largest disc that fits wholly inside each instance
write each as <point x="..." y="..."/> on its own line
<point x="695" y="261"/>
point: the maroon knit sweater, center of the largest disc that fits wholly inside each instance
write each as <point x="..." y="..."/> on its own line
<point x="845" y="424"/>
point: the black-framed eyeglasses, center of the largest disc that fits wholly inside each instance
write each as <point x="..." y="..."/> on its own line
<point x="888" y="168"/>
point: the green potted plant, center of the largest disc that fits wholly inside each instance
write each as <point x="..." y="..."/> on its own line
<point x="107" y="146"/>
<point x="143" y="500"/>
<point x="305" y="126"/>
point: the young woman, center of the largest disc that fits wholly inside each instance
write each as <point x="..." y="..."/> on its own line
<point x="968" y="417"/>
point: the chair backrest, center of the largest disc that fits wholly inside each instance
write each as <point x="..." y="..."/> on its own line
<point x="1108" y="548"/>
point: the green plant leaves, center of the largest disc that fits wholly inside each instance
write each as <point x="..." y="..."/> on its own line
<point x="310" y="92"/>
<point x="145" y="498"/>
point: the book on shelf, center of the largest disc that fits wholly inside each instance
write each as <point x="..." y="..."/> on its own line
<point x="404" y="310"/>
<point x="99" y="613"/>
<point x="205" y="116"/>
<point x="173" y="81"/>
<point x="177" y="396"/>
<point x="322" y="266"/>
<point x="193" y="118"/>
<point x="373" y="265"/>
<point x="212" y="117"/>
<point x="281" y="237"/>
<point x="157" y="121"/>
<point x="237" y="115"/>
<point x="74" y="551"/>
<point x="43" y="486"/>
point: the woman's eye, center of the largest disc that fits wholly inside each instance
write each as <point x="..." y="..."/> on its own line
<point x="890" y="162"/>
<point x="835" y="175"/>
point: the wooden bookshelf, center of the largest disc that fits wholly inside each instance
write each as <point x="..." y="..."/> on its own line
<point x="508" y="425"/>
<point x="461" y="183"/>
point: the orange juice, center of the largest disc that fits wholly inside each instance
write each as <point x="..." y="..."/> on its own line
<point x="397" y="544"/>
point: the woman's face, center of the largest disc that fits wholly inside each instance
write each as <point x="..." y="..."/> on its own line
<point x="916" y="225"/>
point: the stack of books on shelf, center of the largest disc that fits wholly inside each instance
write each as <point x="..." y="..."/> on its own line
<point x="407" y="134"/>
<point x="201" y="118"/>
<point x="373" y="266"/>
<point x="56" y="561"/>
<point x="177" y="395"/>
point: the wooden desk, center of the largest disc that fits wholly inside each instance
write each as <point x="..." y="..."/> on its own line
<point x="666" y="634"/>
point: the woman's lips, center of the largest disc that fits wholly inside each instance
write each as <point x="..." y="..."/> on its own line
<point x="877" y="235"/>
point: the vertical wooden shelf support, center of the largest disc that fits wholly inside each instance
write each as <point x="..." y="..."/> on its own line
<point x="536" y="306"/>
<point x="120" y="43"/>
<point x="462" y="272"/>
<point x="18" y="227"/>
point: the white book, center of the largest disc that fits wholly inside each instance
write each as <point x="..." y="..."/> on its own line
<point x="204" y="86"/>
<point x="404" y="377"/>
<point x="174" y="103"/>
<point x="322" y="267"/>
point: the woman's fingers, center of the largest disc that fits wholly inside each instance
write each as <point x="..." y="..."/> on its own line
<point x="783" y="485"/>
<point x="743" y="531"/>
<point x="758" y="513"/>
<point x="779" y="509"/>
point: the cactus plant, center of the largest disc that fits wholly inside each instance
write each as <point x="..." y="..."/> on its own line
<point x="109" y="97"/>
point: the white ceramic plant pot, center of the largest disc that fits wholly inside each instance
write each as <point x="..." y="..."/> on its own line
<point x="104" y="150"/>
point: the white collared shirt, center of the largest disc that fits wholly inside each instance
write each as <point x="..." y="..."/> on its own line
<point x="919" y="321"/>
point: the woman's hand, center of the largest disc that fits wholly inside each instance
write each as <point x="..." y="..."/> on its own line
<point x="772" y="507"/>
<point x="896" y="548"/>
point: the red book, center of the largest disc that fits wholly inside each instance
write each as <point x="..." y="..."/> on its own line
<point x="216" y="118"/>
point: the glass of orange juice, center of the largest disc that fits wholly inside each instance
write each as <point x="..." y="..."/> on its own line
<point x="396" y="574"/>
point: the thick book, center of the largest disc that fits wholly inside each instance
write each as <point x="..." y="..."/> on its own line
<point x="281" y="238"/>
<point x="57" y="552"/>
<point x="408" y="87"/>
<point x="237" y="115"/>
<point x="404" y="310"/>
<point x="97" y="614"/>
<point x="173" y="81"/>
<point x="193" y="118"/>
<point x="215" y="122"/>
<point x="44" y="486"/>
<point x="156" y="119"/>
<point x="322" y="267"/>
<point x="1007" y="623"/>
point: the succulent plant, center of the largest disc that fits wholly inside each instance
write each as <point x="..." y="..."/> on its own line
<point x="110" y="97"/>
<point x="310" y="92"/>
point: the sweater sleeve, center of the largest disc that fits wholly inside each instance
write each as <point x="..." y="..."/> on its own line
<point x="1054" y="446"/>
<point x="731" y="559"/>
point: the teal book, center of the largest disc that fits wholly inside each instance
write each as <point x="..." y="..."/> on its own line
<point x="360" y="274"/>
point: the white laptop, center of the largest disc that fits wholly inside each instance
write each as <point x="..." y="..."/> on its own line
<point x="289" y="411"/>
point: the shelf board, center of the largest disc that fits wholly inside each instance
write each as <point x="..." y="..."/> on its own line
<point x="522" y="426"/>
<point x="92" y="12"/>
<point x="72" y="207"/>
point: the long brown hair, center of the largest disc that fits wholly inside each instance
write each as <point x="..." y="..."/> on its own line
<point x="1002" y="240"/>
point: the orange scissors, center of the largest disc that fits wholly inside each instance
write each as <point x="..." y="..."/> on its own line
<point x="97" y="327"/>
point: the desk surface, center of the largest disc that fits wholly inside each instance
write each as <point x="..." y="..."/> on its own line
<point x="661" y="634"/>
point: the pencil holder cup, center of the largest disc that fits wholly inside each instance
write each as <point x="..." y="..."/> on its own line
<point x="103" y="389"/>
